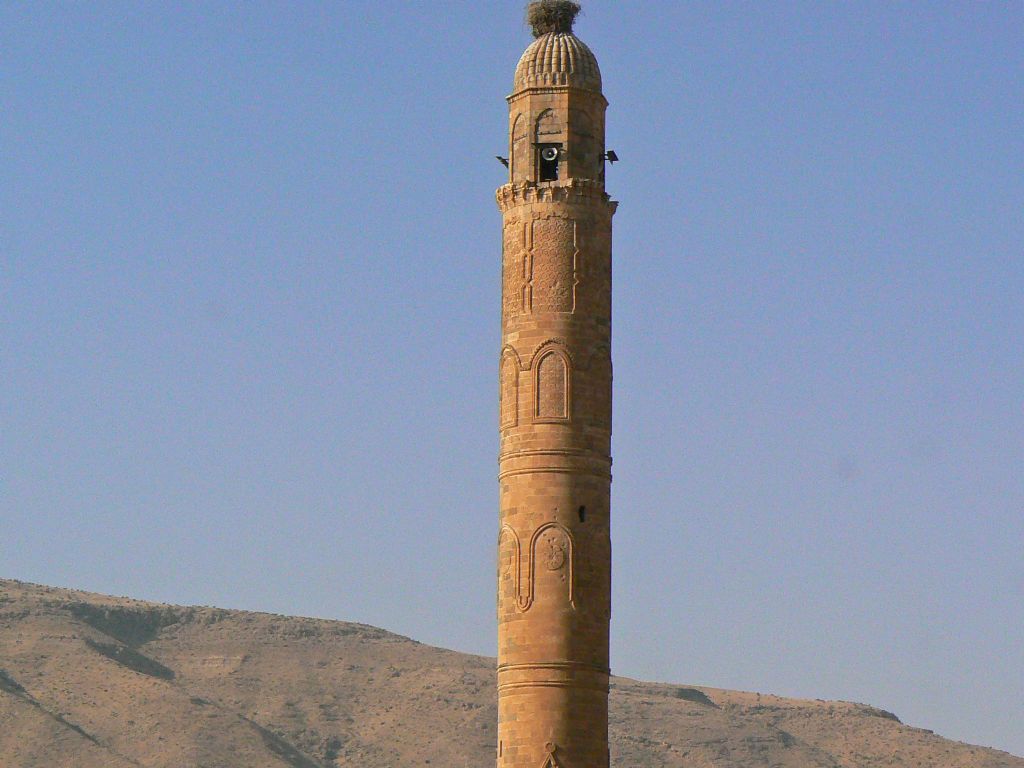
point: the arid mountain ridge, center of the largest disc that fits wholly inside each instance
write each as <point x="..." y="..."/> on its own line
<point x="90" y="681"/>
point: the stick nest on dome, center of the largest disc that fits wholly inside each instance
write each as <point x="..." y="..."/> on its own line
<point x="546" y="16"/>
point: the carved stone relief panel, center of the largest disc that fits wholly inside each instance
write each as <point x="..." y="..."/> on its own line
<point x="508" y="568"/>
<point x="593" y="281"/>
<point x="551" y="567"/>
<point x="509" y="394"/>
<point x="552" y="387"/>
<point x="519" y="151"/>
<point x="515" y="260"/>
<point x="547" y="566"/>
<point x="549" y="127"/>
<point x="555" y="254"/>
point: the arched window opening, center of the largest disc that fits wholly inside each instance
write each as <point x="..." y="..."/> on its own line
<point x="548" y="141"/>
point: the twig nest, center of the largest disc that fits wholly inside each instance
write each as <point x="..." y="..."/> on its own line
<point x="546" y="16"/>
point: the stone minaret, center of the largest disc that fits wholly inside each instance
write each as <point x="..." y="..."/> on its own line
<point x="554" y="549"/>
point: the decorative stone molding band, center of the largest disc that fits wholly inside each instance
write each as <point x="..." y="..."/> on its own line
<point x="534" y="90"/>
<point x="575" y="191"/>
<point x="547" y="461"/>
<point x="561" y="665"/>
<point x="582" y="453"/>
<point x="575" y="685"/>
<point x="556" y="471"/>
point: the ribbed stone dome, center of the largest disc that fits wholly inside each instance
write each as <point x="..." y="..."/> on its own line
<point x="557" y="58"/>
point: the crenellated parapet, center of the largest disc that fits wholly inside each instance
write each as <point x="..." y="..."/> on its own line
<point x="573" y="191"/>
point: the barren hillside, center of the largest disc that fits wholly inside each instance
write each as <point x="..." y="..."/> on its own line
<point x="88" y="681"/>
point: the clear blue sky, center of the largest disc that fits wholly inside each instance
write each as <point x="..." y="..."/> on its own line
<point x="250" y="327"/>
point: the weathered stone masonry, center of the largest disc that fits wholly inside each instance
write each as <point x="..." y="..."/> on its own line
<point x="554" y="548"/>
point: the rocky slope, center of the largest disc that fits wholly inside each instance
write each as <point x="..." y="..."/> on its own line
<point x="88" y="681"/>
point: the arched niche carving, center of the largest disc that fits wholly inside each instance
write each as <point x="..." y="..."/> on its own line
<point x="519" y="145"/>
<point x="552" y="564"/>
<point x="546" y="346"/>
<point x="547" y="128"/>
<point x="509" y="390"/>
<point x="552" y="381"/>
<point x="509" y="568"/>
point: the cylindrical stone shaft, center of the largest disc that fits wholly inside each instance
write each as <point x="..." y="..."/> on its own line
<point x="554" y="548"/>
